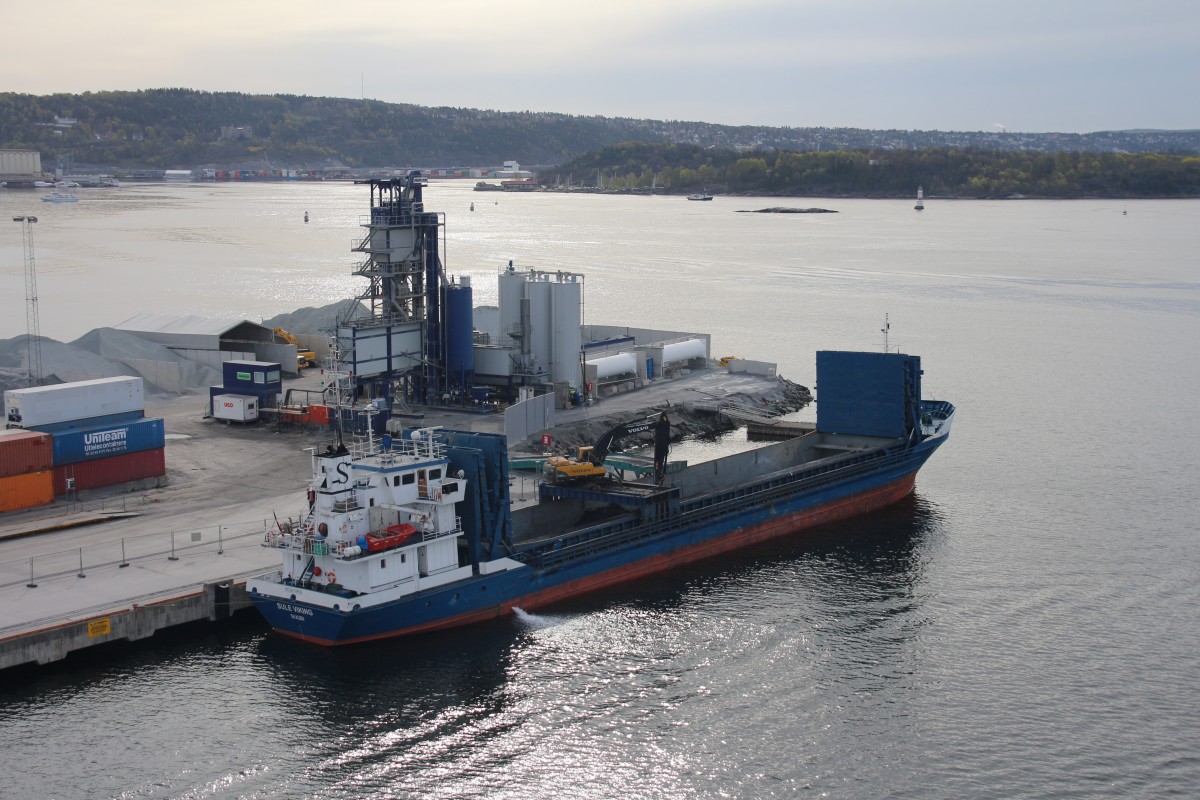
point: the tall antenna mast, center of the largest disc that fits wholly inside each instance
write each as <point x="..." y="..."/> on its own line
<point x="33" y="339"/>
<point x="885" y="330"/>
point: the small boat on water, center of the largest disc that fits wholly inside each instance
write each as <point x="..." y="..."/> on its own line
<point x="920" y="206"/>
<point x="61" y="197"/>
<point x="701" y="196"/>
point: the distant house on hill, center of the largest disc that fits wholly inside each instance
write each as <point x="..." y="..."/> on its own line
<point x="236" y="132"/>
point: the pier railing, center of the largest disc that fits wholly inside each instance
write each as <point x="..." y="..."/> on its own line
<point x="125" y="551"/>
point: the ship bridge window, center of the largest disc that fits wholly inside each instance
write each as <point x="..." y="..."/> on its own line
<point x="409" y="478"/>
<point x="449" y="487"/>
<point x="434" y="474"/>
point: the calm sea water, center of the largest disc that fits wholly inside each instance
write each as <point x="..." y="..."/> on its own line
<point x="1026" y="625"/>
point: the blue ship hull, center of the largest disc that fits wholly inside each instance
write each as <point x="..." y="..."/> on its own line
<point x="584" y="561"/>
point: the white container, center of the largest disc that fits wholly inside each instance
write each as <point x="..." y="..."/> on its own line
<point x="235" y="407"/>
<point x="65" y="402"/>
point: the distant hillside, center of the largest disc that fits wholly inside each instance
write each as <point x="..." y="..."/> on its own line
<point x="953" y="172"/>
<point x="187" y="129"/>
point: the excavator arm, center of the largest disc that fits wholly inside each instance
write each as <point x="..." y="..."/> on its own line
<point x="600" y="450"/>
<point x="590" y="463"/>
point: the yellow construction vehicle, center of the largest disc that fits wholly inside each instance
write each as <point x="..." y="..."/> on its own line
<point x="304" y="357"/>
<point x="589" y="461"/>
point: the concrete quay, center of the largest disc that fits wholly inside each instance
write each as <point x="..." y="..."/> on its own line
<point x="174" y="554"/>
<point x="125" y="579"/>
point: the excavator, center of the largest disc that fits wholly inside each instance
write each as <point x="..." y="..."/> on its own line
<point x="589" y="461"/>
<point x="304" y="357"/>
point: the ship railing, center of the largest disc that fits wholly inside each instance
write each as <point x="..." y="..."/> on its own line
<point x="347" y="504"/>
<point x="340" y="549"/>
<point x="935" y="416"/>
<point x="428" y="536"/>
<point x="303" y="543"/>
<point x="282" y="534"/>
<point x="608" y="538"/>
<point x="315" y="545"/>
<point x="426" y="447"/>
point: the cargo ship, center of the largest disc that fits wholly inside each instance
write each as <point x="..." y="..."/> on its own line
<point x="417" y="532"/>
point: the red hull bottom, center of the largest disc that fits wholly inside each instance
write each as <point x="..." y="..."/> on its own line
<point x="845" y="508"/>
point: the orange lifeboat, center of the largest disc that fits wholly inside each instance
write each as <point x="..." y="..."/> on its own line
<point x="393" y="536"/>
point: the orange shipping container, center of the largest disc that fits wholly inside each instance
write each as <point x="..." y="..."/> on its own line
<point x="26" y="491"/>
<point x="25" y="451"/>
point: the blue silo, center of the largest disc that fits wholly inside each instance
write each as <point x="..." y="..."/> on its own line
<point x="460" y="342"/>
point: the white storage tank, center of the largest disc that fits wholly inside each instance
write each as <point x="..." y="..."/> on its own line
<point x="551" y="332"/>
<point x="235" y="407"/>
<point x="65" y="402"/>
<point x="684" y="351"/>
<point x="609" y="366"/>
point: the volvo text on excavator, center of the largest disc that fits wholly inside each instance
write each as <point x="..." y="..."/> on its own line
<point x="589" y="462"/>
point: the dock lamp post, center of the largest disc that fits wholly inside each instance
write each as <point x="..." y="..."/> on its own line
<point x="33" y="342"/>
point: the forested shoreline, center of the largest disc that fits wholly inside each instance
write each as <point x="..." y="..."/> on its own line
<point x="266" y="135"/>
<point x="947" y="172"/>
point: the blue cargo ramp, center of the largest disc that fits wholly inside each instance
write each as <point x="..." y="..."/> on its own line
<point x="868" y="394"/>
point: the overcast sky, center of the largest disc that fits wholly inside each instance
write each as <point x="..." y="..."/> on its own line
<point x="1026" y="65"/>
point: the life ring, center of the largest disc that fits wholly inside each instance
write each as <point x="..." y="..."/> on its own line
<point x="331" y="577"/>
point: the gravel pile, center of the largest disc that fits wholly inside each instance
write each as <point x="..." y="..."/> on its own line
<point x="686" y="420"/>
<point x="107" y="353"/>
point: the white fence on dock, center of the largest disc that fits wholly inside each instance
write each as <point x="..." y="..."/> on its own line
<point x="127" y="550"/>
